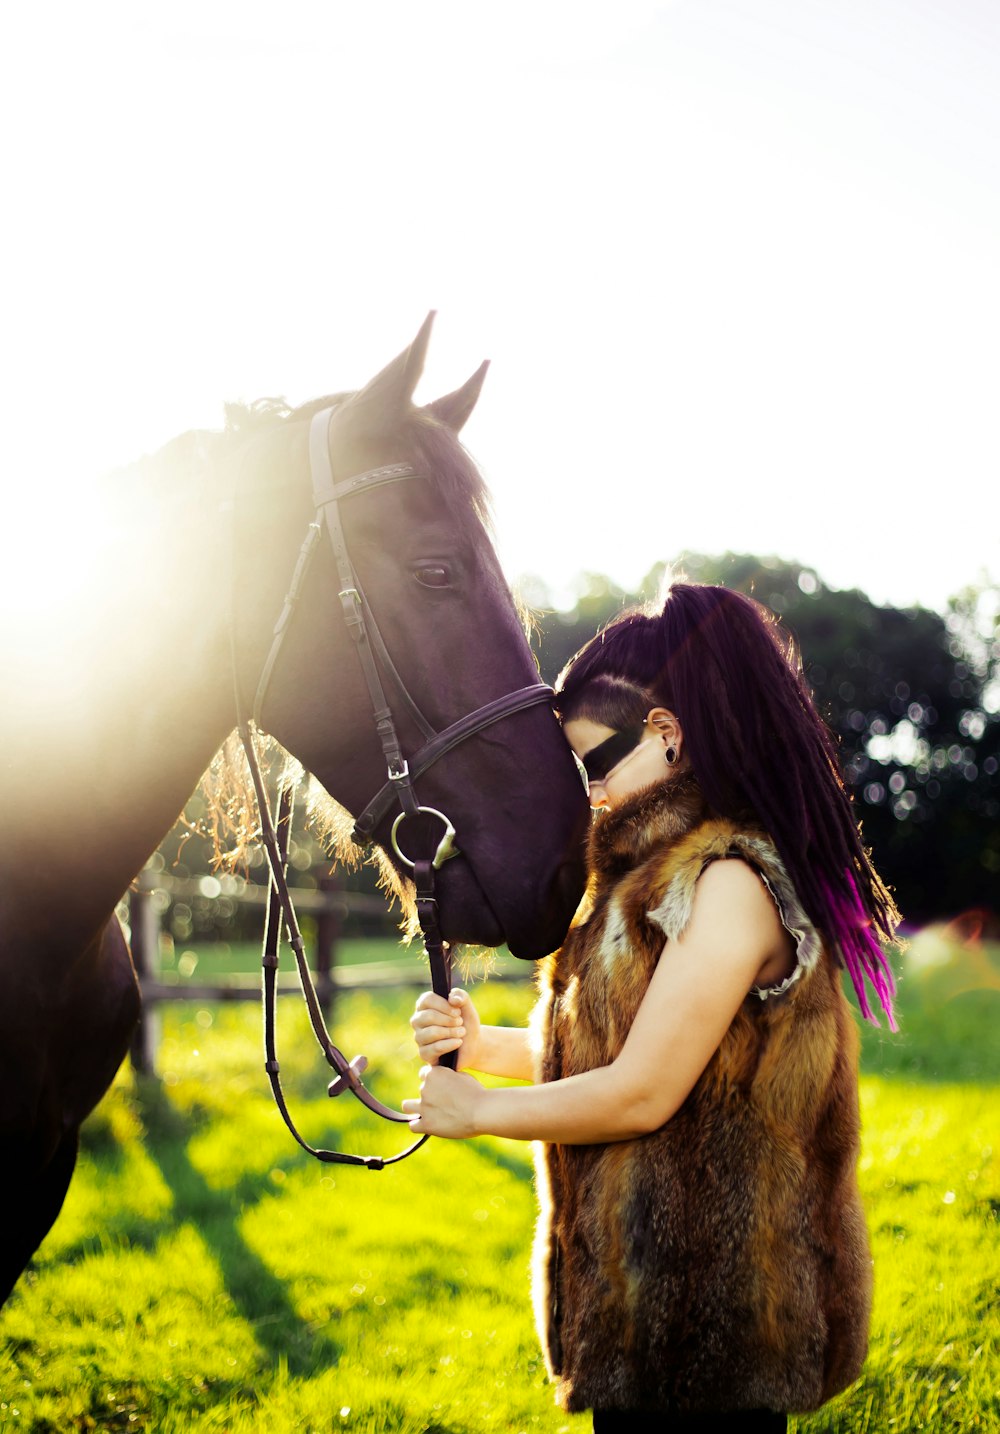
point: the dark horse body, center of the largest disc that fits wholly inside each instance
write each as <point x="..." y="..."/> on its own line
<point x="107" y="729"/>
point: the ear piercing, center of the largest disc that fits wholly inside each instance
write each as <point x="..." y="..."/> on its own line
<point x="671" y="756"/>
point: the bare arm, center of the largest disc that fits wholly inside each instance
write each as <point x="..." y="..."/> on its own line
<point x="699" y="984"/>
<point x="505" y="1051"/>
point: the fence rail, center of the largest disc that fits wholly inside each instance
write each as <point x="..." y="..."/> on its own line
<point x="151" y="897"/>
<point x="327" y="897"/>
<point x="328" y="903"/>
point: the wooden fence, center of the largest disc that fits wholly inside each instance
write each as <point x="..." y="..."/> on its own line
<point x="328" y="904"/>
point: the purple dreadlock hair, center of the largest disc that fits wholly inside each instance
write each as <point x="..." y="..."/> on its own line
<point x="759" y="749"/>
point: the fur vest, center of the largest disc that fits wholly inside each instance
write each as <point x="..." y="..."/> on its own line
<point x="722" y="1261"/>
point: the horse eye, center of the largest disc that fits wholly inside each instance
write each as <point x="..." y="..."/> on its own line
<point x="432" y="575"/>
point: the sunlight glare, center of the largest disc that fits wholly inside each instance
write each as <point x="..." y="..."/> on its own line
<point x="58" y="567"/>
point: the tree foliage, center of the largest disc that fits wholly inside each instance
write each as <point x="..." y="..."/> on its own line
<point x="912" y="695"/>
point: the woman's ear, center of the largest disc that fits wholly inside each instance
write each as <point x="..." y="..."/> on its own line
<point x="667" y="727"/>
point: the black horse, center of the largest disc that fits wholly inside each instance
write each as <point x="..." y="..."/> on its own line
<point x="112" y="714"/>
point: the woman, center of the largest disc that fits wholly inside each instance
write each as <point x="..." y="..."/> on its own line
<point x="701" y="1250"/>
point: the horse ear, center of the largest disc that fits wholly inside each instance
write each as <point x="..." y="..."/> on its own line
<point x="454" y="408"/>
<point x="392" y="389"/>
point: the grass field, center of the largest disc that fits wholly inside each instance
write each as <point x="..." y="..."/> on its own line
<point x="206" y="1275"/>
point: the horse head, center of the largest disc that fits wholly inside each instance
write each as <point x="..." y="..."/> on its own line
<point x="449" y="643"/>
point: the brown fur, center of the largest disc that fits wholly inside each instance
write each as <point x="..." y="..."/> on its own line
<point x="721" y="1262"/>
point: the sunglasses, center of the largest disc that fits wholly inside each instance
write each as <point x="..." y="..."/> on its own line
<point x="602" y="760"/>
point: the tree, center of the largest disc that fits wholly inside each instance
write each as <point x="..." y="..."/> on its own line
<point x="912" y="696"/>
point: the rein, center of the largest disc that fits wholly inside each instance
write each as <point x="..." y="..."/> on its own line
<point x="425" y="858"/>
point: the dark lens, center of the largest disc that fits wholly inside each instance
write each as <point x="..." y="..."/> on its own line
<point x="601" y="759"/>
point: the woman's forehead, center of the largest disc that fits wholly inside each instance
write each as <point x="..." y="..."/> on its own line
<point x="583" y="735"/>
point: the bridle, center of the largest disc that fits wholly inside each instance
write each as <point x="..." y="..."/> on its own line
<point x="425" y="859"/>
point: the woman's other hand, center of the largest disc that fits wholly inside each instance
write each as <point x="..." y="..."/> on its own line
<point x="440" y="1026"/>
<point x="447" y="1105"/>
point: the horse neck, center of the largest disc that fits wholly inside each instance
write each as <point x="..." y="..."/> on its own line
<point x="121" y="715"/>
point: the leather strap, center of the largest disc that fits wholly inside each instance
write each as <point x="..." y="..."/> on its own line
<point x="442" y="743"/>
<point x="372" y="654"/>
<point x="348" y="1072"/>
<point x="326" y="495"/>
<point x="352" y="603"/>
<point x="309" y="546"/>
<point x="437" y="952"/>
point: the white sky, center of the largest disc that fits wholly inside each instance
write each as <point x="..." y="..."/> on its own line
<point x="735" y="261"/>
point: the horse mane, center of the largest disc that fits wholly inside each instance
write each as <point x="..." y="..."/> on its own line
<point x="190" y="456"/>
<point x="452" y="469"/>
<point x="231" y="826"/>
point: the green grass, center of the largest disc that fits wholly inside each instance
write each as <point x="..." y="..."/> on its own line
<point x="194" y="962"/>
<point x="206" y="1275"/>
<point x="202" y="961"/>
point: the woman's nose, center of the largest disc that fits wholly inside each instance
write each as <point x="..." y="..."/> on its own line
<point x="597" y="795"/>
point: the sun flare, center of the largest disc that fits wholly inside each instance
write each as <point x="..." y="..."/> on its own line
<point x="58" y="571"/>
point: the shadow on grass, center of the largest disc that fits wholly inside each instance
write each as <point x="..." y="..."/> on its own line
<point x="260" y="1297"/>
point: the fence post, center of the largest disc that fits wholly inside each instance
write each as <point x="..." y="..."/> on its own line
<point x="328" y="924"/>
<point x="145" y="944"/>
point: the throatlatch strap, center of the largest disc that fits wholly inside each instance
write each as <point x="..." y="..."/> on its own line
<point x="284" y="618"/>
<point x="357" y="616"/>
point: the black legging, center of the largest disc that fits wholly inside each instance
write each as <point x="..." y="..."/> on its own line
<point x="739" y="1421"/>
